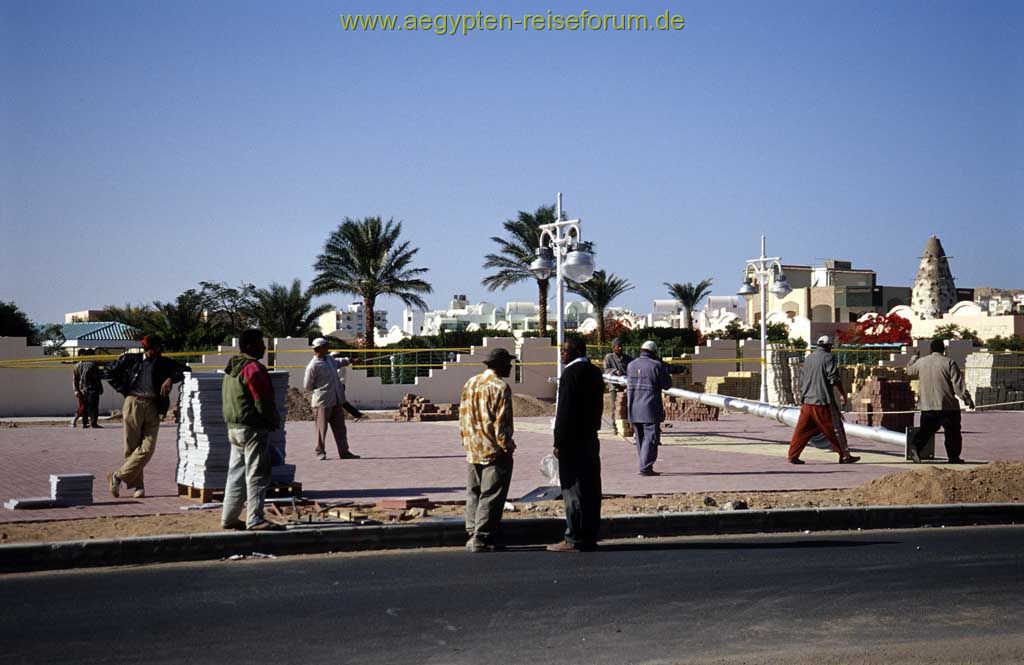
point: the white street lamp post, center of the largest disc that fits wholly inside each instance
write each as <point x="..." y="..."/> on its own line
<point x="760" y="271"/>
<point x="562" y="253"/>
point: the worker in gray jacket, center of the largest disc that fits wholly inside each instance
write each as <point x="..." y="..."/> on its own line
<point x="941" y="383"/>
<point x="646" y="377"/>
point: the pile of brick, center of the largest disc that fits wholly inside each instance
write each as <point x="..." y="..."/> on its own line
<point x="995" y="379"/>
<point x="421" y="409"/>
<point x="745" y="385"/>
<point x="682" y="410"/>
<point x="877" y="398"/>
<point x="855" y="377"/>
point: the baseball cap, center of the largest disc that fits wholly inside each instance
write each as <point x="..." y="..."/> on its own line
<point x="318" y="342"/>
<point x="649" y="345"/>
<point x="498" y="356"/>
<point x="824" y="340"/>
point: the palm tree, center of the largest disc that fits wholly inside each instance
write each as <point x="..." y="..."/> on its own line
<point x="140" y="317"/>
<point x="365" y="258"/>
<point x="600" y="291"/>
<point x="516" y="253"/>
<point x="689" y="295"/>
<point x="184" y="324"/>
<point x="286" y="312"/>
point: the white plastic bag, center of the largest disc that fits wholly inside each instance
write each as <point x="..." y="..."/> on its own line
<point x="549" y="469"/>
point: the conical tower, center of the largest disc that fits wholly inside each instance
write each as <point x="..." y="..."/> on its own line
<point x="934" y="291"/>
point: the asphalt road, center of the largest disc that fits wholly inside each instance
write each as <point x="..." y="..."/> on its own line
<point x="923" y="596"/>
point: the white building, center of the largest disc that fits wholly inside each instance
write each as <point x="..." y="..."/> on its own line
<point x="350" y="324"/>
<point x="460" y="315"/>
<point x="1002" y="304"/>
<point x="665" y="314"/>
<point x="718" y="312"/>
<point x="514" y="316"/>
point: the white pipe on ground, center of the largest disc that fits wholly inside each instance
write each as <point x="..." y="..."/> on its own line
<point x="787" y="415"/>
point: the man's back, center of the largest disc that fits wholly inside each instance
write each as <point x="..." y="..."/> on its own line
<point x="941" y="382"/>
<point x="485" y="418"/>
<point x="646" y="377"/>
<point x="820" y="372"/>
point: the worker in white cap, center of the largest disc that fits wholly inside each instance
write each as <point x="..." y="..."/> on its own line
<point x="646" y="377"/>
<point x="323" y="379"/>
<point x="819" y="383"/>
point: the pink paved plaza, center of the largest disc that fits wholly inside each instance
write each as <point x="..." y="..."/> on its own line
<point x="738" y="452"/>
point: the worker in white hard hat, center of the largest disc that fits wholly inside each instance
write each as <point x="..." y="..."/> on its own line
<point x="819" y="378"/>
<point x="646" y="377"/>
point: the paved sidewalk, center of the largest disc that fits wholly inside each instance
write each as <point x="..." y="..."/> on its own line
<point x="738" y="452"/>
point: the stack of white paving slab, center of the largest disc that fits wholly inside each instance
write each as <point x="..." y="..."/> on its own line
<point x="203" y="447"/>
<point x="72" y="489"/>
<point x="68" y="489"/>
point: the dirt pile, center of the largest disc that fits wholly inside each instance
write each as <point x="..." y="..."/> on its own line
<point x="298" y="405"/>
<point x="527" y="406"/>
<point x="996" y="482"/>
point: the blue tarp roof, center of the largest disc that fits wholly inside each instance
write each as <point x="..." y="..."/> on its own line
<point x="103" y="330"/>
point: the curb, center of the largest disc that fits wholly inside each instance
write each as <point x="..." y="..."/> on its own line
<point x="531" y="531"/>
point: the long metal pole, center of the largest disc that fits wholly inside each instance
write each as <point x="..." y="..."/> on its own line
<point x="559" y="291"/>
<point x="786" y="415"/>
<point x="762" y="268"/>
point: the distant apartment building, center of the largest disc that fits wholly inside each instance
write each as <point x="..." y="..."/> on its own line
<point x="350" y="324"/>
<point x="1001" y="304"/>
<point x="85" y="316"/>
<point x="834" y="292"/>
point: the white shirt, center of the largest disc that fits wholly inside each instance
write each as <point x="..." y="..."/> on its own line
<point x="324" y="379"/>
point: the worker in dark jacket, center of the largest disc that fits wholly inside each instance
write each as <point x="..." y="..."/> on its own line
<point x="820" y="382"/>
<point x="250" y="413"/>
<point x="615" y="363"/>
<point x="145" y="379"/>
<point x="940" y="383"/>
<point x="646" y="377"/>
<point x="88" y="388"/>
<point x="577" y="421"/>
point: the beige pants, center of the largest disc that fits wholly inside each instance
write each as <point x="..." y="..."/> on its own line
<point x="141" y="426"/>
<point x="333" y="417"/>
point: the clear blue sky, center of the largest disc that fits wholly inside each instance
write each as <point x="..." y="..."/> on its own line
<point x="148" y="146"/>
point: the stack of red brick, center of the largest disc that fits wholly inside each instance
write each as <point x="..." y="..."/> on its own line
<point x="682" y="410"/>
<point x="874" y="402"/>
<point x="421" y="409"/>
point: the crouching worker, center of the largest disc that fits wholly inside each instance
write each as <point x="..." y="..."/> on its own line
<point x="251" y="415"/>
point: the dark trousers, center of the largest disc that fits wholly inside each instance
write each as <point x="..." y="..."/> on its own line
<point x="580" y="477"/>
<point x="949" y="421"/>
<point x="647" y="437"/>
<point x="90" y="409"/>
<point x="814" y="419"/>
<point x="486" y="491"/>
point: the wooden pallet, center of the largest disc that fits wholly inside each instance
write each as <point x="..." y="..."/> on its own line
<point x="208" y="494"/>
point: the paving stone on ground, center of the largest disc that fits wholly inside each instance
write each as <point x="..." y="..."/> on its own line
<point x="738" y="452"/>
